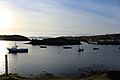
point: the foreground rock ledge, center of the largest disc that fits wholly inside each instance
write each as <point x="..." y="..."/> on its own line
<point x="110" y="75"/>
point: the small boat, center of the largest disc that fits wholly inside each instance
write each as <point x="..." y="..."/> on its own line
<point x="95" y="48"/>
<point x="80" y="50"/>
<point x="118" y="47"/>
<point x="67" y="47"/>
<point x="14" y="49"/>
<point x="43" y="46"/>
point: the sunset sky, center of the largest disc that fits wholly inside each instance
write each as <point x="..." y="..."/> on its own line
<point x="59" y="17"/>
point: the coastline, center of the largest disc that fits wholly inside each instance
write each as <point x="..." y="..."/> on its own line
<point x="105" y="39"/>
<point x="98" y="75"/>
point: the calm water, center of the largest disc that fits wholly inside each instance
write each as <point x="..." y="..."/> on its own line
<point x="56" y="60"/>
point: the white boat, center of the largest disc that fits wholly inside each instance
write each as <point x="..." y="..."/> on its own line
<point x="14" y="49"/>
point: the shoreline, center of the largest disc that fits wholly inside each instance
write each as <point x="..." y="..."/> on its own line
<point x="105" y="39"/>
<point x="98" y="75"/>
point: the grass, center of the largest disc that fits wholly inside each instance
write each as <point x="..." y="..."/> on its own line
<point x="111" y="75"/>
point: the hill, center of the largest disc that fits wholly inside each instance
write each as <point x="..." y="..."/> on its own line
<point x="14" y="38"/>
<point x="55" y="41"/>
<point x="107" y="39"/>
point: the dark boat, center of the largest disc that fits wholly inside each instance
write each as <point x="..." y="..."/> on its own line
<point x="80" y="50"/>
<point x="118" y="47"/>
<point x="14" y="50"/>
<point x="95" y="48"/>
<point x="43" y="46"/>
<point x="67" y="47"/>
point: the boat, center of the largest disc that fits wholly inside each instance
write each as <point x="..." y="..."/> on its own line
<point x="118" y="47"/>
<point x="80" y="50"/>
<point x="14" y="49"/>
<point x="43" y="46"/>
<point x="95" y="48"/>
<point x="67" y="47"/>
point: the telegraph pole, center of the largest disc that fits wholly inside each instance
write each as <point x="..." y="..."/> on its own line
<point x="6" y="65"/>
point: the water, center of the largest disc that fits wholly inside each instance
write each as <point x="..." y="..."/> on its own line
<point x="59" y="61"/>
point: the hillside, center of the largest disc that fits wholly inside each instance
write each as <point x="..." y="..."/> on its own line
<point x="13" y="38"/>
<point x="112" y="39"/>
<point x="55" y="41"/>
<point x="107" y="39"/>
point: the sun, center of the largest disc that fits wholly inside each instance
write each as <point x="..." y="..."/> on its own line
<point x="6" y="18"/>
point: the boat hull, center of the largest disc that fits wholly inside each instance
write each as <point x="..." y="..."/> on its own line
<point x="67" y="47"/>
<point x="17" y="50"/>
<point x="95" y="48"/>
<point x="43" y="46"/>
<point x="80" y="50"/>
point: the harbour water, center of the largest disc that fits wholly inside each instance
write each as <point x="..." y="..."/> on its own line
<point x="59" y="61"/>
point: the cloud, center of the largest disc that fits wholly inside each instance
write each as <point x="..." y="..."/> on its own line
<point x="76" y="16"/>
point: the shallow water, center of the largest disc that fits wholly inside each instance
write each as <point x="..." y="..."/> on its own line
<point x="56" y="60"/>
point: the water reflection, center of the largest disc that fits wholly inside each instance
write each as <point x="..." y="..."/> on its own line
<point x="11" y="57"/>
<point x="56" y="60"/>
<point x="3" y="51"/>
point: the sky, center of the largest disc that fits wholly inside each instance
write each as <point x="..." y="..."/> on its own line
<point x="59" y="17"/>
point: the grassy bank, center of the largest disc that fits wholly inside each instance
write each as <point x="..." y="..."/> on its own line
<point x="111" y="75"/>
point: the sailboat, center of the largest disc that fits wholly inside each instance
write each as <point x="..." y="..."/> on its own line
<point x="80" y="49"/>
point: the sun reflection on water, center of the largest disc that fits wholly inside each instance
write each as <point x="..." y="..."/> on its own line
<point x="3" y="51"/>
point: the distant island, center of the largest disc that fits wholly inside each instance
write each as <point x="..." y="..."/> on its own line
<point x="55" y="41"/>
<point x="107" y="39"/>
<point x="14" y="38"/>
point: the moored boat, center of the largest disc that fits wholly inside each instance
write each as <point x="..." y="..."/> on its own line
<point x="95" y="48"/>
<point x="80" y="50"/>
<point x="67" y="47"/>
<point x="43" y="46"/>
<point x="14" y="49"/>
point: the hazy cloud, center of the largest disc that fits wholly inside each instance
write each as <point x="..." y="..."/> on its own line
<point x="75" y="16"/>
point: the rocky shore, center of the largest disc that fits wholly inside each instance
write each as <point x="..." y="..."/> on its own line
<point x="107" y="39"/>
<point x="109" y="75"/>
